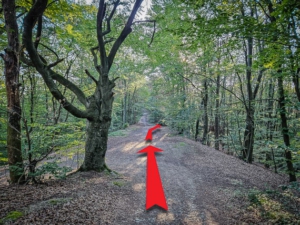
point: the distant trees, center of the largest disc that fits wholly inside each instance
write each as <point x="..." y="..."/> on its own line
<point x="235" y="51"/>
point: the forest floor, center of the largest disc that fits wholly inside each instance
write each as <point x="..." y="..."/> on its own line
<point x="202" y="186"/>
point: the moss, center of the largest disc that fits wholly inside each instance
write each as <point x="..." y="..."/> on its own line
<point x="56" y="201"/>
<point x="119" y="184"/>
<point x="11" y="216"/>
<point x="181" y="144"/>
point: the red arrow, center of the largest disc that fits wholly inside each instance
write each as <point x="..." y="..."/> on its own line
<point x="149" y="134"/>
<point x="154" y="189"/>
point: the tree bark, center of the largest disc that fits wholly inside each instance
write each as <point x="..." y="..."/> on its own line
<point x="11" y="72"/>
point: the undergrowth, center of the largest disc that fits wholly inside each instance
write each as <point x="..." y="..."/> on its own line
<point x="276" y="206"/>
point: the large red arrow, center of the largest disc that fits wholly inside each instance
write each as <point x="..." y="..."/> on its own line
<point x="154" y="189"/>
<point x="149" y="134"/>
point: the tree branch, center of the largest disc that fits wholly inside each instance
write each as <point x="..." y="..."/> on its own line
<point x="154" y="27"/>
<point x="260" y="73"/>
<point x="95" y="60"/>
<point x="144" y="21"/>
<point x="240" y="80"/>
<point x="45" y="46"/>
<point x="113" y="80"/>
<point x="108" y="29"/>
<point x="91" y="76"/>
<point x="25" y="60"/>
<point x="21" y="14"/>
<point x="29" y="21"/>
<point x="55" y="63"/>
<point x="109" y="40"/>
<point x="263" y="9"/>
<point x="71" y="86"/>
<point x="101" y="45"/>
<point x="153" y="33"/>
<point x="125" y="32"/>
<point x="190" y="82"/>
<point x="39" y="31"/>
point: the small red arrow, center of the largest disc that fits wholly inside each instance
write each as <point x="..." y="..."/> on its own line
<point x="149" y="134"/>
<point x="154" y="189"/>
<point x="156" y="126"/>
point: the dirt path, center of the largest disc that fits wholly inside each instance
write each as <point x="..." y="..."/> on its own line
<point x="202" y="186"/>
<point x="199" y="182"/>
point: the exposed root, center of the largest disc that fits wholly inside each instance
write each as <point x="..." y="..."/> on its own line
<point x="106" y="168"/>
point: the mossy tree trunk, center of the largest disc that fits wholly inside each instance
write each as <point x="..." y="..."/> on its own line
<point x="11" y="72"/>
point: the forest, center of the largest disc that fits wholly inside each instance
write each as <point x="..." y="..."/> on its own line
<point x="222" y="74"/>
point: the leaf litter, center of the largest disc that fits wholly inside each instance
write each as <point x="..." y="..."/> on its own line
<point x="202" y="186"/>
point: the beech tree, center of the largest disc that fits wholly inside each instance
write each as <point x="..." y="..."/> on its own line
<point x="97" y="108"/>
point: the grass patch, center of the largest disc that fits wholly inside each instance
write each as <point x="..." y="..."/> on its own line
<point x="11" y="216"/>
<point x="118" y="183"/>
<point x="118" y="133"/>
<point x="3" y="156"/>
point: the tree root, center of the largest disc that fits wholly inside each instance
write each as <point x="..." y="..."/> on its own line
<point x="106" y="168"/>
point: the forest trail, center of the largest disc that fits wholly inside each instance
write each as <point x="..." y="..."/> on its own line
<point x="201" y="185"/>
<point x="199" y="182"/>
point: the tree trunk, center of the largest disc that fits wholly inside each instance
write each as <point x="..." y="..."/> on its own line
<point x="270" y="123"/>
<point x="296" y="83"/>
<point x="217" y="123"/>
<point x="197" y="129"/>
<point x="249" y="137"/>
<point x="205" y="119"/>
<point x="285" y="130"/>
<point x="96" y="145"/>
<point x="124" y="116"/>
<point x="97" y="129"/>
<point x="11" y="72"/>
